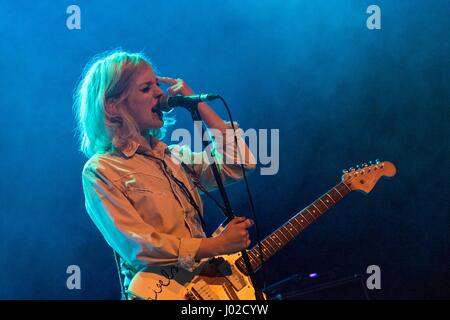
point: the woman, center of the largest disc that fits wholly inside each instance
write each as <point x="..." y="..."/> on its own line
<point x="144" y="202"/>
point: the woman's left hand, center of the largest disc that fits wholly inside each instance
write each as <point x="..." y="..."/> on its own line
<point x="177" y="86"/>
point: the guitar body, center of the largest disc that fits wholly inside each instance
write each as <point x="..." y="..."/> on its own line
<point x="215" y="279"/>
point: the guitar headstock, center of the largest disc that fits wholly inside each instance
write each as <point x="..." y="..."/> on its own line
<point x="366" y="176"/>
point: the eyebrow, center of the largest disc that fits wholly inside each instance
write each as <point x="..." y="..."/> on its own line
<point x="147" y="83"/>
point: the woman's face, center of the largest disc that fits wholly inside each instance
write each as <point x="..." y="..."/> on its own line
<point x="143" y="96"/>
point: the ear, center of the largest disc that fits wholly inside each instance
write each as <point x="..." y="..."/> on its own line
<point x="111" y="111"/>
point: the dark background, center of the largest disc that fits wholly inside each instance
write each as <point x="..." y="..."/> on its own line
<point x="340" y="94"/>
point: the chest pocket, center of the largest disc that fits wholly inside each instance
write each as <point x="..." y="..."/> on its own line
<point x="141" y="182"/>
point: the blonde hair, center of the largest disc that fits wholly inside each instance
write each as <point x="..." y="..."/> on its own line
<point x="106" y="79"/>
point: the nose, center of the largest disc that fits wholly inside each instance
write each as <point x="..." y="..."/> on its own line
<point x="158" y="92"/>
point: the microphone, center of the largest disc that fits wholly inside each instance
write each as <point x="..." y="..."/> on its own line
<point x="166" y="103"/>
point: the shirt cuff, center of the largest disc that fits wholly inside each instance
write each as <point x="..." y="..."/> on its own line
<point x="229" y="129"/>
<point x="187" y="252"/>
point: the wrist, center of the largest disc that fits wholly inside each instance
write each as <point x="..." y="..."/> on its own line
<point x="219" y="245"/>
<point x="210" y="247"/>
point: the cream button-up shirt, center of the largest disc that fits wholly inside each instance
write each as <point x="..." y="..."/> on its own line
<point x="143" y="214"/>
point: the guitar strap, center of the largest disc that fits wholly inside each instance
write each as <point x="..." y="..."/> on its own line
<point x="199" y="185"/>
<point x="185" y="191"/>
<point x="123" y="291"/>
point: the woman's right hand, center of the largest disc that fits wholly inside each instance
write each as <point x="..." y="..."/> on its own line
<point x="235" y="236"/>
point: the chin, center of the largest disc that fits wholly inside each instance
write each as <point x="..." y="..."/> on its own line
<point x="156" y="126"/>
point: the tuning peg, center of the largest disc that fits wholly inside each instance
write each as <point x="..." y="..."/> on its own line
<point x="364" y="165"/>
<point x="351" y="169"/>
<point x="357" y="167"/>
<point x="344" y="171"/>
<point x="377" y="161"/>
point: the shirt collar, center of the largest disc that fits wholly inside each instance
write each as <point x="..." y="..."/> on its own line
<point x="158" y="148"/>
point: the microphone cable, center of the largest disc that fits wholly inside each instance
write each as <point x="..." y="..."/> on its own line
<point x="249" y="195"/>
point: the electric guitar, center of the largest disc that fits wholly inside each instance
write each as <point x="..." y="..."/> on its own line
<point x="225" y="277"/>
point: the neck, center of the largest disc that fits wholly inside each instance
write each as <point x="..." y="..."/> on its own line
<point x="293" y="227"/>
<point x="145" y="140"/>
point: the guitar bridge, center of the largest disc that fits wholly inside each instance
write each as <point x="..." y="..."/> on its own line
<point x="201" y="291"/>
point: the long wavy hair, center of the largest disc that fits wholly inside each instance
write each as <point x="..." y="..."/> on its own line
<point x="106" y="79"/>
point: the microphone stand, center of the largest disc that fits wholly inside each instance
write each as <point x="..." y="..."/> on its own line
<point x="228" y="211"/>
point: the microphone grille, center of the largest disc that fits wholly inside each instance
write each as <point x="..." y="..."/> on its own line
<point x="163" y="103"/>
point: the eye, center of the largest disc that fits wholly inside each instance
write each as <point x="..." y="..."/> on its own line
<point x="146" y="89"/>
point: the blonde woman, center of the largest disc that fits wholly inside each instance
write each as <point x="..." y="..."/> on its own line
<point x="144" y="203"/>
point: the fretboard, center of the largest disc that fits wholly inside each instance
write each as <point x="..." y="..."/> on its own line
<point x="293" y="227"/>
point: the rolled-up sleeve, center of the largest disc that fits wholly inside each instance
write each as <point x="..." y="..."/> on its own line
<point x="226" y="153"/>
<point x="126" y="232"/>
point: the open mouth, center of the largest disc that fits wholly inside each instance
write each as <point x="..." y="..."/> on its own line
<point x="158" y="112"/>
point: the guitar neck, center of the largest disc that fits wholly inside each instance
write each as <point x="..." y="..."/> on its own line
<point x="293" y="227"/>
